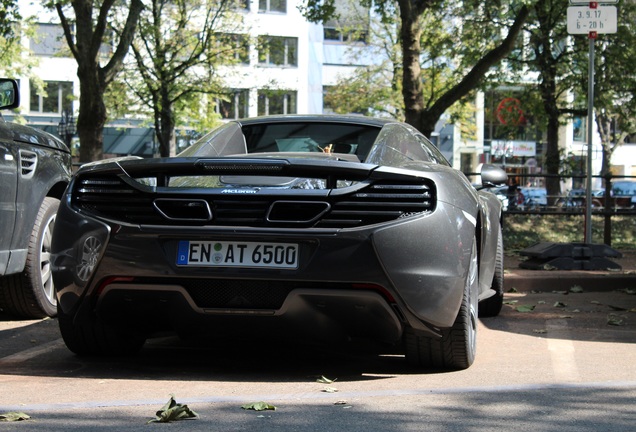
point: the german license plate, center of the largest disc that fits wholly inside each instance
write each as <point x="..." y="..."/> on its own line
<point x="237" y="254"/>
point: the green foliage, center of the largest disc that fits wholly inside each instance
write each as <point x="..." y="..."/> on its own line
<point x="614" y="82"/>
<point x="9" y="15"/>
<point x="368" y="92"/>
<point x="13" y="28"/>
<point x="522" y="231"/>
<point x="318" y="11"/>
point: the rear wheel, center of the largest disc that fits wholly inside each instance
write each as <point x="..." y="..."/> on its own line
<point x="457" y="347"/>
<point x="31" y="294"/>
<point x="491" y="306"/>
<point x="97" y="337"/>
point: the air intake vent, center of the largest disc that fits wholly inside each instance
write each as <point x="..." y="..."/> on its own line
<point x="112" y="198"/>
<point x="297" y="212"/>
<point x="381" y="202"/>
<point x="348" y="207"/>
<point x="28" y="163"/>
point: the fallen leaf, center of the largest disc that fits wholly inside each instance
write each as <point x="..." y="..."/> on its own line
<point x="596" y="302"/>
<point x="259" y="406"/>
<point x="615" y="320"/>
<point x="559" y="292"/>
<point x="513" y="290"/>
<point x="172" y="411"/>
<point x="511" y="302"/>
<point x="324" y="380"/>
<point x="340" y="402"/>
<point x="560" y="305"/>
<point x="576" y="289"/>
<point x="330" y="390"/>
<point x="565" y="316"/>
<point x="14" y="416"/>
<point x="525" y="308"/>
<point x="539" y="331"/>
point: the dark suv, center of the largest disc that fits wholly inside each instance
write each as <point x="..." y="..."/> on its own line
<point x="35" y="168"/>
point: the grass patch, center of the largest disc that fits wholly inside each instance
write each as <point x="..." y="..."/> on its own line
<point x="522" y="231"/>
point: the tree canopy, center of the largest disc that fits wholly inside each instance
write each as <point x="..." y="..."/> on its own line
<point x="436" y="74"/>
<point x="180" y="45"/>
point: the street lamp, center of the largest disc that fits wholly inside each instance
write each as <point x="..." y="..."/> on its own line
<point x="66" y="128"/>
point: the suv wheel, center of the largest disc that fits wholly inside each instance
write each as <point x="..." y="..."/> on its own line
<point x="31" y="294"/>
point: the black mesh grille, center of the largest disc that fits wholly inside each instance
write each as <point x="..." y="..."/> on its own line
<point x="222" y="294"/>
<point x="242" y="294"/>
<point x="378" y="202"/>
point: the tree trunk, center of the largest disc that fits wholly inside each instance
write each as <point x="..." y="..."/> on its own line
<point x="84" y="37"/>
<point x="412" y="90"/>
<point x="552" y="154"/>
<point x="92" y="115"/>
<point x="164" y="127"/>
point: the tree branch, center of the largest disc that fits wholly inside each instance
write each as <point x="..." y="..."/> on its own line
<point x="116" y="61"/>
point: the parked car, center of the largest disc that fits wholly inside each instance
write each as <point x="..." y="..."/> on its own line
<point x="321" y="227"/>
<point x="35" y="168"/>
<point x="624" y="193"/>
<point x="534" y="198"/>
<point x="501" y="192"/>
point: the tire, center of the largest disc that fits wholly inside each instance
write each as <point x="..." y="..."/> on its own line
<point x="97" y="338"/>
<point x="491" y="306"/>
<point x="456" y="349"/>
<point x="31" y="294"/>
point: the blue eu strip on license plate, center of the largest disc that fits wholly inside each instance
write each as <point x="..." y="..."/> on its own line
<point x="237" y="254"/>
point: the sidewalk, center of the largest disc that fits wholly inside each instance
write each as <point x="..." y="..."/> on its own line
<point x="562" y="280"/>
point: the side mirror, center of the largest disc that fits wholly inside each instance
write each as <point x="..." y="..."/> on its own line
<point x="9" y="94"/>
<point x="492" y="175"/>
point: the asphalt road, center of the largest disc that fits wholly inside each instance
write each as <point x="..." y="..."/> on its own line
<point x="566" y="365"/>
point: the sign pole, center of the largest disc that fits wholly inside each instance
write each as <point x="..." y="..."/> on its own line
<point x="590" y="135"/>
<point x="592" y="20"/>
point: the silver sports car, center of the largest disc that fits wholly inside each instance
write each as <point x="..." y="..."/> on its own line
<point x="327" y="228"/>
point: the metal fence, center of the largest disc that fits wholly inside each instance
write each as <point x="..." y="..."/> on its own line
<point x="615" y="195"/>
<point x="614" y="198"/>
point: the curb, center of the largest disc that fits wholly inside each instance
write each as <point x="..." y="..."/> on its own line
<point x="562" y="280"/>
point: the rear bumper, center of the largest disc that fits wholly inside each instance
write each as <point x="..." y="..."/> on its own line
<point x="365" y="282"/>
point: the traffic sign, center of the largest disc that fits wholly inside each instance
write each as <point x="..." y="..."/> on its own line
<point x="585" y="20"/>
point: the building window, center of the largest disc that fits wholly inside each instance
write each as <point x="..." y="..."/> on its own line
<point x="56" y="97"/>
<point x="579" y="129"/>
<point x="236" y="47"/>
<point x="276" y="102"/>
<point x="350" y="26"/>
<point x="334" y="34"/>
<point x="49" y="40"/>
<point x="277" y="51"/>
<point x="234" y="105"/>
<point x="272" y="6"/>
